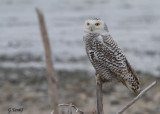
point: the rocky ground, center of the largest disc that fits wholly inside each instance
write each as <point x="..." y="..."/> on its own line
<point x="31" y="94"/>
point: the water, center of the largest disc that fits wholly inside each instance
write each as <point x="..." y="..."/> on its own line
<point x="134" y="25"/>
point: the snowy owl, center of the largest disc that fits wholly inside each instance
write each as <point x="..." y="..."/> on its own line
<point x="106" y="57"/>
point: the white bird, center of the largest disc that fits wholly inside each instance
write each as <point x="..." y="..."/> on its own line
<point x="106" y="57"/>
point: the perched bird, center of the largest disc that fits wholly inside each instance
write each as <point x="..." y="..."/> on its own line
<point x="106" y="57"/>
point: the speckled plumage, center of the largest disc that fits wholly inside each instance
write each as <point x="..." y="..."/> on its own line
<point x="109" y="61"/>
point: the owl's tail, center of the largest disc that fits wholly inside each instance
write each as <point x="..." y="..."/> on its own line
<point x="133" y="85"/>
<point x="132" y="82"/>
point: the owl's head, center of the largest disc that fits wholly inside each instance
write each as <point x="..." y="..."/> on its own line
<point x="95" y="25"/>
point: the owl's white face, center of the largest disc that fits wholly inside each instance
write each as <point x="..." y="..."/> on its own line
<point x="94" y="26"/>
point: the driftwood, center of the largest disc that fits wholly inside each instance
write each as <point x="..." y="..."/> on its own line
<point x="137" y="97"/>
<point x="49" y="63"/>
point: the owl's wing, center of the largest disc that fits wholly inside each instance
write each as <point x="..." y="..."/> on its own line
<point x="114" y="56"/>
<point x="119" y="65"/>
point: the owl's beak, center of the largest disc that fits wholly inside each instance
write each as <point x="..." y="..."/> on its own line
<point x="91" y="28"/>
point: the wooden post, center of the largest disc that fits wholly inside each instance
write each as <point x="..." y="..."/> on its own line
<point x="70" y="109"/>
<point x="49" y="63"/>
<point x="99" y="95"/>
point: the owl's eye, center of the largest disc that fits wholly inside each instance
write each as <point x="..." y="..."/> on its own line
<point x="88" y="24"/>
<point x="97" y="24"/>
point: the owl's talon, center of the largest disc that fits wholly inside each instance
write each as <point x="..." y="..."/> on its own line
<point x="98" y="80"/>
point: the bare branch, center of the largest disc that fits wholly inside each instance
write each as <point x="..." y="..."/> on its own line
<point x="137" y="97"/>
<point x="49" y="63"/>
<point x="70" y="109"/>
<point x="77" y="109"/>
